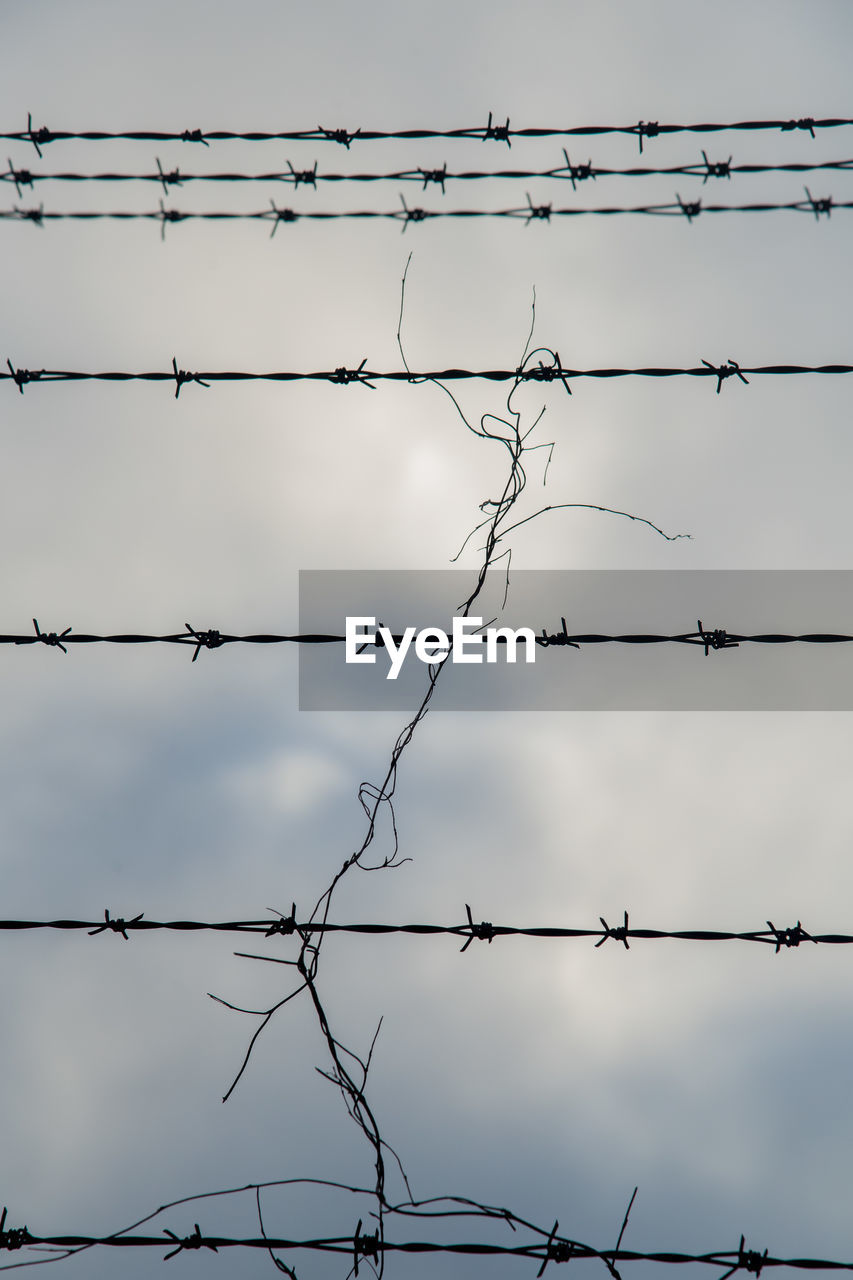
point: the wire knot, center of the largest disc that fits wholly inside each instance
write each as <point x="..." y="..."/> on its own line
<point x="21" y="377"/>
<point x="747" y="1260"/>
<point x="555" y="1251"/>
<point x="542" y="211"/>
<point x="30" y="215"/>
<point x="483" y="932"/>
<point x="166" y="178"/>
<point x="578" y="172"/>
<point x="343" y="376"/>
<point x="646" y="129"/>
<point x="558" y="638"/>
<point x="717" y="639"/>
<point x="195" y="1241"/>
<point x="364" y="1246"/>
<point x="499" y="132"/>
<point x="618" y="932"/>
<point x="308" y="177"/>
<point x="20" y="177"/>
<point x="168" y="215"/>
<point x="806" y="123"/>
<point x="38" y="137"/>
<point x="50" y="638"/>
<point x="182" y="377"/>
<point x="691" y="209"/>
<point x="285" y="924"/>
<point x="790" y="937"/>
<point x="119" y="925"/>
<point x="194" y="135"/>
<point x="15" y="1237"/>
<point x="203" y="639"/>
<point x="724" y="371"/>
<point x="716" y="168"/>
<point x="822" y="205"/>
<point x="545" y="373"/>
<point x="410" y="215"/>
<point x="438" y="176"/>
<point x="280" y="215"/>
<point x="343" y="136"/>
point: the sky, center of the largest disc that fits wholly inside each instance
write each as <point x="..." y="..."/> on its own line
<point x="550" y="1077"/>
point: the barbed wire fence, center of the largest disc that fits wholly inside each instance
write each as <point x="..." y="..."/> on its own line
<point x="348" y="1070"/>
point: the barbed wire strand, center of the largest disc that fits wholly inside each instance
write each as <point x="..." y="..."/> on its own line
<point x="689" y="210"/>
<point x="708" y="639"/>
<point x="566" y="172"/>
<point x="554" y="371"/>
<point x="643" y="130"/>
<point x="287" y="926"/>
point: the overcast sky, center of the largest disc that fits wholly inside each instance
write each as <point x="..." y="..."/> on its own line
<point x="550" y="1077"/>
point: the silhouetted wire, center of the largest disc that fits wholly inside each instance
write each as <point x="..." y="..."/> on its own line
<point x="361" y="376"/>
<point x="688" y="209"/>
<point x="485" y="931"/>
<point x="566" y="172"/>
<point x="213" y="639"/>
<point x="492" y="131"/>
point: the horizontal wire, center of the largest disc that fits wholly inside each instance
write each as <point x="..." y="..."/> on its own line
<point x="310" y="177"/>
<point x="365" y="377"/>
<point x="529" y="213"/>
<point x="708" y="638"/>
<point x="557" y="1249"/>
<point x="642" y="130"/>
<point x="484" y="931"/>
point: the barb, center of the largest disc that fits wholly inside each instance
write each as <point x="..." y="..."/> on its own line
<point x="21" y="377"/>
<point x="50" y="638"/>
<point x="724" y="371"/>
<point x="619" y="933"/>
<point x="204" y="639"/>
<point x="482" y="932"/>
<point x="280" y="215"/>
<point x="748" y="1260"/>
<point x="497" y="132"/>
<point x="411" y="215"/>
<point x="181" y="377"/>
<point x="38" y="137"/>
<point x="168" y="179"/>
<point x="20" y="177"/>
<point x="119" y="925"/>
<point x="304" y="177"/>
<point x="824" y="205"/>
<point x="194" y="1241"/>
<point x="345" y="376"/>
<point x="649" y="130"/>
<point x="341" y="136"/>
<point x="164" y="216"/>
<point x="14" y="1237"/>
<point x="190" y="135"/>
